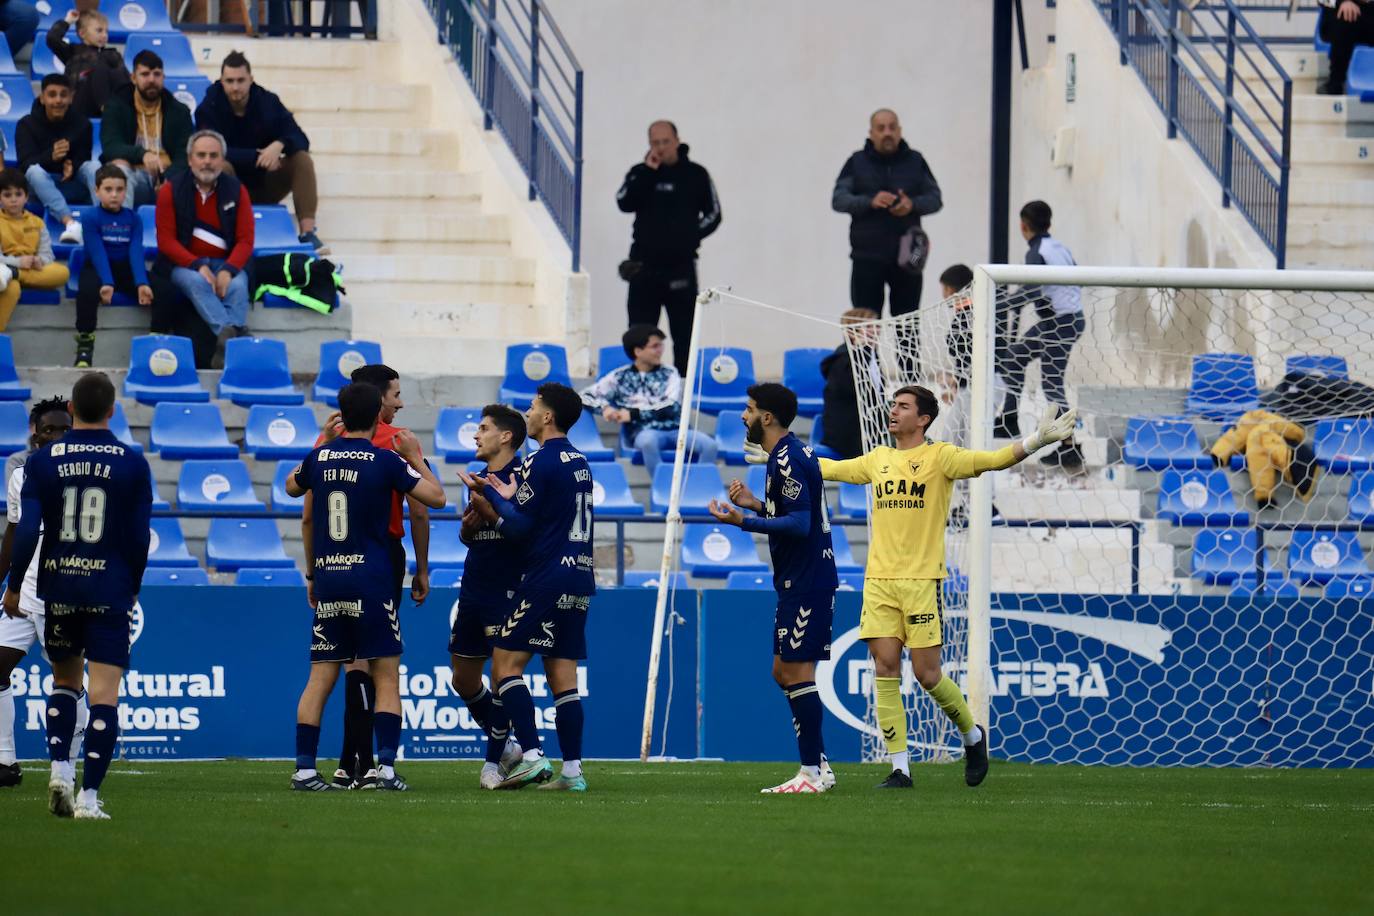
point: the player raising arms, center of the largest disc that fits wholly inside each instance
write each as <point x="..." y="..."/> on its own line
<point x="92" y="496"/>
<point x="548" y="507"/>
<point x="351" y="481"/>
<point x="490" y="577"/>
<point x="794" y="516"/>
<point x="903" y="602"/>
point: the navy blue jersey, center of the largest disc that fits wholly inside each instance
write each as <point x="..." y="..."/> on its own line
<point x="93" y="496"/>
<point x="495" y="562"/>
<point x="352" y="483"/>
<point x="796" y="520"/>
<point x="551" y="514"/>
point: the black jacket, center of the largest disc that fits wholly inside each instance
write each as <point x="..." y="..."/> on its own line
<point x="35" y="135"/>
<point x="95" y="72"/>
<point x="264" y="121"/>
<point x="875" y="234"/>
<point x="675" y="207"/>
<point x="840" y="405"/>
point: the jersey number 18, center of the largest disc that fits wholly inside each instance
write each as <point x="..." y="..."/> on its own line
<point x="89" y="522"/>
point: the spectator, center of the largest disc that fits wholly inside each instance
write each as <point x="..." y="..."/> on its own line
<point x="97" y="68"/>
<point x="886" y="188"/>
<point x="268" y="151"/>
<point x="675" y="207"/>
<point x="54" y="145"/>
<point x="114" y="259"/>
<point x="839" y="400"/>
<point x="145" y="130"/>
<point x="205" y="236"/>
<point x="1344" y="24"/>
<point x="645" y="397"/>
<point x="1059" y="323"/>
<point x="25" y="246"/>
<point x="19" y="22"/>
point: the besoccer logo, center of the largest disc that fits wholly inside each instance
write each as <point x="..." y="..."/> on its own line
<point x="59" y="449"/>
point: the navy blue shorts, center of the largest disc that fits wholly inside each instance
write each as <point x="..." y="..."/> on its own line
<point x="101" y="634"/>
<point x="801" y="626"/>
<point x="545" y="622"/>
<point x="346" y="629"/>
<point x="475" y="624"/>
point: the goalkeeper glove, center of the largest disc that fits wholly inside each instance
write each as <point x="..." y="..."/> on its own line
<point x="754" y="454"/>
<point x="1052" y="429"/>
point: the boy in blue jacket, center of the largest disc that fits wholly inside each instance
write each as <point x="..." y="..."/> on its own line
<point x="113" y="244"/>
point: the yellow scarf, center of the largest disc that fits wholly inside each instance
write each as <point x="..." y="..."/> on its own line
<point x="150" y="127"/>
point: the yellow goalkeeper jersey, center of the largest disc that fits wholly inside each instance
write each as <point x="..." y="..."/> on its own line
<point x="911" y="489"/>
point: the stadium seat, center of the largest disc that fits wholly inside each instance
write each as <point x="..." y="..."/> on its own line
<point x="44" y="61"/>
<point x="1350" y="587"/>
<point x="14" y="425"/>
<point x="1318" y="43"/>
<point x="55" y="10"/>
<point x="851" y="582"/>
<point x="1359" y="79"/>
<point x="817" y="433"/>
<point x="211" y="485"/>
<point x="1331" y="366"/>
<point x="188" y="90"/>
<point x="281" y="500"/>
<point x="167" y="545"/>
<point x="756" y="479"/>
<point x="158" y="501"/>
<point x="119" y="425"/>
<point x="635" y="456"/>
<point x="715" y="551"/>
<point x="724" y="375"/>
<point x="453" y="432"/>
<point x="274" y="232"/>
<point x="338" y="359"/>
<point x="1320" y="556"/>
<point x="844" y="556"/>
<point x="454" y="506"/>
<point x="10" y="389"/>
<point x="1362" y="498"/>
<point x="750" y="581"/>
<point x="587" y="440"/>
<point x="130" y="16"/>
<point x="272" y="433"/>
<point x="610" y="357"/>
<point x="16" y="98"/>
<point x="730" y="438"/>
<point x="853" y="501"/>
<point x="172" y="47"/>
<point x="7" y="133"/>
<point x="7" y="66"/>
<point x="1222" y="555"/>
<point x="527" y="367"/>
<point x="611" y="491"/>
<point x="1276" y="585"/>
<point x="445" y="578"/>
<point x="256" y="575"/>
<point x="1223" y="386"/>
<point x="63" y="250"/>
<point x="1345" y="446"/>
<point x="163" y="368"/>
<point x="237" y="542"/>
<point x="256" y="372"/>
<point x="446" y="548"/>
<point x="1198" y="498"/>
<point x="167" y="575"/>
<point x="1158" y="443"/>
<point x="801" y="371"/>
<point x="703" y="483"/>
<point x="181" y="431"/>
<point x="648" y="578"/>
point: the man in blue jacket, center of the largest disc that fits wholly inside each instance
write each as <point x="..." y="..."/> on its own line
<point x="268" y="151"/>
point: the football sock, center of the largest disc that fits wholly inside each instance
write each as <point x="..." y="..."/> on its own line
<point x="6" y="726"/>
<point x="814" y="773"/>
<point x="83" y="718"/>
<point x="479" y="704"/>
<point x="901" y="762"/>
<point x="61" y="723"/>
<point x="515" y="696"/>
<point x="307" y="746"/>
<point x="807" y="714"/>
<point x="951" y="700"/>
<point x="568" y="722"/>
<point x="100" y="745"/>
<point x="388" y="728"/>
<point x="500" y="729"/>
<point x="891" y="715"/>
<point x="360" y="696"/>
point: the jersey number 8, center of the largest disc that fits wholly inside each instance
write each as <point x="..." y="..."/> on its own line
<point x="337" y="505"/>
<point x="92" y="515"/>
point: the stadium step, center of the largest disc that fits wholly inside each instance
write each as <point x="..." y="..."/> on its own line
<point x="496" y="310"/>
<point x="406" y="141"/>
<point x="444" y="269"/>
<point x="455" y="188"/>
<point x="361" y="98"/>
<point x="404" y="221"/>
<point x="345" y="249"/>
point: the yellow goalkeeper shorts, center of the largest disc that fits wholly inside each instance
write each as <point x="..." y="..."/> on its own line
<point x="911" y="610"/>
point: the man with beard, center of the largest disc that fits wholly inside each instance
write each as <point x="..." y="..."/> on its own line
<point x="144" y="130"/>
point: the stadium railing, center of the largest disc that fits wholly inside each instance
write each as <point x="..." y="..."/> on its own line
<point x="302" y="24"/>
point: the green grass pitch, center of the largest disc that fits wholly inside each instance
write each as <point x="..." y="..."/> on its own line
<point x="697" y="837"/>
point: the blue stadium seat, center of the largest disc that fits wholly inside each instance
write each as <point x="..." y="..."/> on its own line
<point x="1362" y="498"/>
<point x="1223" y="386"/>
<point x="281" y="577"/>
<point x="16" y="98"/>
<point x="1276" y="585"/>
<point x="801" y="371"/>
<point x="167" y="545"/>
<point x="1331" y="366"/>
<point x="10" y="389"/>
<point x="167" y="575"/>
<point x="851" y="582"/>
<point x="844" y="556"/>
<point x="1198" y="498"/>
<point x="272" y="433"/>
<point x="454" y="506"/>
<point x="237" y="542"/>
<point x="172" y="47"/>
<point x="181" y="431"/>
<point x="527" y="367"/>
<point x="714" y="551"/>
<point x="609" y="357"/>
<point x="587" y="440"/>
<point x="148" y="215"/>
<point x="1350" y="587"/>
<point x="817" y="433"/>
<point x="648" y="578"/>
<point x="730" y="438"/>
<point x="1359" y="79"/>
<point x="7" y="66"/>
<point x="281" y="500"/>
<point x="446" y="578"/>
<point x="256" y="372"/>
<point x="189" y="90"/>
<point x="635" y="456"/>
<point x="1158" y="443"/>
<point x="453" y="432"/>
<point x="750" y="581"/>
<point x="853" y="501"/>
<point x="56" y="9"/>
<point x="1320" y="556"/>
<point x="64" y="250"/>
<point x="1345" y="446"/>
<point x="210" y="485"/>
<point x="446" y="548"/>
<point x="274" y="232"/>
<point x="724" y="375"/>
<point x="338" y="359"/>
<point x="756" y="479"/>
<point x="163" y="368"/>
<point x="1222" y="555"/>
<point x="7" y="130"/>
<point x="129" y="16"/>
<point x="703" y="483"/>
<point x="14" y="424"/>
<point x="119" y="425"/>
<point x="611" y="492"/>
<point x="44" y="61"/>
<point x="1318" y="43"/>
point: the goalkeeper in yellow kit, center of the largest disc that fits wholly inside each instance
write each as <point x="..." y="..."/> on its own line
<point x="906" y="563"/>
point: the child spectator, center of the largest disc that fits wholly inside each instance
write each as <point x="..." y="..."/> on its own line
<point x="95" y="69"/>
<point x="114" y="259"/>
<point x="54" y="145"/>
<point x="25" y="246"/>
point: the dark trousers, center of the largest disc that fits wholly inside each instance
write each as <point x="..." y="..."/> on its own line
<point x="88" y="291"/>
<point x="1344" y="36"/>
<point x="172" y="313"/>
<point x="870" y="282"/>
<point x="1049" y="340"/>
<point x="671" y="288"/>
